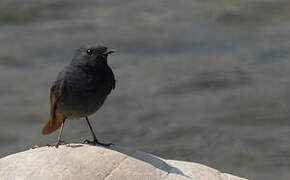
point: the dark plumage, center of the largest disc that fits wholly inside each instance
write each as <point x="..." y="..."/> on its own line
<point x="81" y="88"/>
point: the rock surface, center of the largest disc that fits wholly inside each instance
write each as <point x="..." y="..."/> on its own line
<point x="79" y="161"/>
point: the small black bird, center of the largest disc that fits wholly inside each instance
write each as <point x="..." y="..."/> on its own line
<point x="80" y="89"/>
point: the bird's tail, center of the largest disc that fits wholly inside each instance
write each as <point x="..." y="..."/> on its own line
<point x="53" y="123"/>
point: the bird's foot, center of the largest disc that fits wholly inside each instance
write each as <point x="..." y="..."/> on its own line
<point x="96" y="142"/>
<point x="34" y="147"/>
<point x="61" y="142"/>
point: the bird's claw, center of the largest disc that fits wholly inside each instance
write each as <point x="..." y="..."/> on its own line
<point x="61" y="142"/>
<point x="96" y="142"/>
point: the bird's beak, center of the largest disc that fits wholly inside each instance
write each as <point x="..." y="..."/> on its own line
<point x="109" y="52"/>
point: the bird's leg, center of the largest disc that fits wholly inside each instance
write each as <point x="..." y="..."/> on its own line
<point x="95" y="141"/>
<point x="59" y="141"/>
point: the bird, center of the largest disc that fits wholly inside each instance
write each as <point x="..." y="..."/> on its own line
<point x="80" y="89"/>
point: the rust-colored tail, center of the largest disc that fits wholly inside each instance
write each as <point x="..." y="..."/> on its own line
<point x="53" y="124"/>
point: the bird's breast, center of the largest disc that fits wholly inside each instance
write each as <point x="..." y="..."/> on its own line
<point x="84" y="93"/>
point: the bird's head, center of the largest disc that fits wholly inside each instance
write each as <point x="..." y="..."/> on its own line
<point x="92" y="53"/>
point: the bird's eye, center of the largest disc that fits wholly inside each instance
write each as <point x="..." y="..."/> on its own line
<point x="89" y="52"/>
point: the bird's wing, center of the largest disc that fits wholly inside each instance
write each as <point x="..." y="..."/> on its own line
<point x="56" y="117"/>
<point x="55" y="92"/>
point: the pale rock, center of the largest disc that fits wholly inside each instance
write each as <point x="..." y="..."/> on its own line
<point x="85" y="162"/>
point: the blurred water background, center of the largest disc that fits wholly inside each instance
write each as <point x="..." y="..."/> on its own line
<point x="203" y="81"/>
